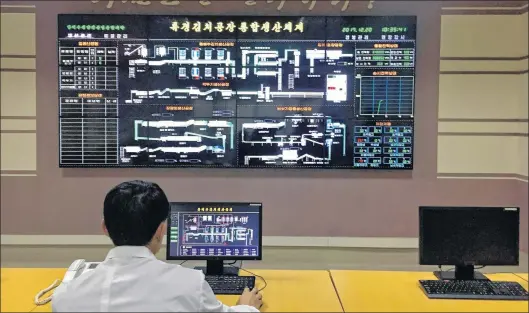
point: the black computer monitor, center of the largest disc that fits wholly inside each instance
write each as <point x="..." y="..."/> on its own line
<point x="215" y="232"/>
<point x="468" y="236"/>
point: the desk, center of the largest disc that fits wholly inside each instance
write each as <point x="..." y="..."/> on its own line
<point x="370" y="291"/>
<point x="20" y="285"/>
<point x="287" y="291"/>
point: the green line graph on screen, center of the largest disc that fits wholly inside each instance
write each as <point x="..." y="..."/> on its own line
<point x="386" y="95"/>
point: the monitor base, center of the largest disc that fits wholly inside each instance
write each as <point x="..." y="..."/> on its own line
<point x="460" y="273"/>
<point x="217" y="268"/>
<point x="227" y="270"/>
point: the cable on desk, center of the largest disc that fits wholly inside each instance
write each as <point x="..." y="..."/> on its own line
<point x="182" y="263"/>
<point x="520" y="277"/>
<point x="44" y="291"/>
<point x="253" y="274"/>
<point x="336" y="291"/>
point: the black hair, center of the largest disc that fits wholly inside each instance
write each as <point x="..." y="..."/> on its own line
<point x="133" y="211"/>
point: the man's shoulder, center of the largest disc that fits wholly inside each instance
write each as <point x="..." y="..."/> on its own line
<point x="175" y="269"/>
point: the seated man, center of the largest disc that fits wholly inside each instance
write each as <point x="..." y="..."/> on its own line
<point x="131" y="279"/>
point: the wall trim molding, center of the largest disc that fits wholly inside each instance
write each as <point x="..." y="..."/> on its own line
<point x="8" y="172"/>
<point x="484" y="72"/>
<point x="481" y="10"/>
<point x="483" y="134"/>
<point x="18" y="175"/>
<point x="504" y="6"/>
<point x="21" y="70"/>
<point x="483" y="120"/>
<point x="21" y="131"/>
<point x="18" y="5"/>
<point x="18" y="117"/>
<point x="503" y="176"/>
<point x="452" y="58"/>
<point x="18" y="56"/>
<point x="18" y="9"/>
<point x="268" y="241"/>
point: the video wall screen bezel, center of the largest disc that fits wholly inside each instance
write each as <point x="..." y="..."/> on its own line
<point x="352" y="118"/>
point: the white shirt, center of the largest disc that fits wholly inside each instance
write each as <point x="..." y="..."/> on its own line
<point x="131" y="279"/>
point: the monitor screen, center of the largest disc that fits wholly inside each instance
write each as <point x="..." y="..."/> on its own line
<point x="469" y="236"/>
<point x="236" y="91"/>
<point x="205" y="231"/>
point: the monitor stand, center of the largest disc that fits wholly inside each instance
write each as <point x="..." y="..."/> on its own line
<point x="217" y="267"/>
<point x="462" y="272"/>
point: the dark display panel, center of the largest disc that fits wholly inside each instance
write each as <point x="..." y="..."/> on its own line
<point x="236" y="91"/>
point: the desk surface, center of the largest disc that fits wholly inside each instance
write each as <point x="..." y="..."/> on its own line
<point x="380" y="291"/>
<point x="286" y="291"/>
<point x="20" y="285"/>
<point x="297" y="291"/>
<point x="524" y="276"/>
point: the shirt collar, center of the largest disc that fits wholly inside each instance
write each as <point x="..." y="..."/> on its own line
<point x="129" y="252"/>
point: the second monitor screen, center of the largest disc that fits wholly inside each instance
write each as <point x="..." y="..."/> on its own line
<point x="211" y="230"/>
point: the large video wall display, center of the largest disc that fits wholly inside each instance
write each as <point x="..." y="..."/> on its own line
<point x="236" y="91"/>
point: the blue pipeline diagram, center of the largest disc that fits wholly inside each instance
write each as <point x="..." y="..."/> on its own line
<point x="217" y="229"/>
<point x="182" y="137"/>
<point x="271" y="73"/>
<point x="295" y="139"/>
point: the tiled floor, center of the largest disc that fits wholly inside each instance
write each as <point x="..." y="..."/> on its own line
<point x="273" y="258"/>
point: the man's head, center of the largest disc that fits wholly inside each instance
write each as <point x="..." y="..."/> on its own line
<point x="135" y="214"/>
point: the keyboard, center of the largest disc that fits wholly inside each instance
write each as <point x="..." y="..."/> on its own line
<point x="483" y="290"/>
<point x="230" y="285"/>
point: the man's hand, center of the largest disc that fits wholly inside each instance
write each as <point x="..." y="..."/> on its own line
<point x="251" y="298"/>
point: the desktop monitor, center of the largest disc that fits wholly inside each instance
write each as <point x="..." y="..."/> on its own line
<point x="468" y="236"/>
<point x="215" y="232"/>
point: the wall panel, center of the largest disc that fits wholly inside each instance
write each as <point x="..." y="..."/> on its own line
<point x="523" y="157"/>
<point x="484" y="35"/>
<point x="476" y="96"/>
<point x="17" y="63"/>
<point x="18" y="94"/>
<point x="19" y="152"/>
<point x="478" y="154"/>
<point x="477" y="66"/>
<point x="523" y="100"/>
<point x="483" y="101"/>
<point x="18" y="125"/>
<point x="17" y="34"/>
<point x="483" y="127"/>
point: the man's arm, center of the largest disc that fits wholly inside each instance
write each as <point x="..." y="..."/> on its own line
<point x="209" y="303"/>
